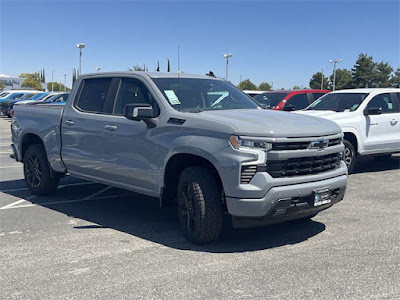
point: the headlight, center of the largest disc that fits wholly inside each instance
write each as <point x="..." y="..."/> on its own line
<point x="239" y="143"/>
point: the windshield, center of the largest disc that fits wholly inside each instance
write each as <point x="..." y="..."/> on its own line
<point x="338" y="102"/>
<point x="270" y="100"/>
<point x="195" y="95"/>
<point x="42" y="96"/>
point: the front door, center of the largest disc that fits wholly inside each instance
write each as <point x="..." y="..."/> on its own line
<point x="131" y="150"/>
<point x="382" y="131"/>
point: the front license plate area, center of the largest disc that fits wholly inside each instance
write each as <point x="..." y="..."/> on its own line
<point x="322" y="197"/>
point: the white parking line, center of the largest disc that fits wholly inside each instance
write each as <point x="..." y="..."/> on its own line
<point x="19" y="166"/>
<point x="18" y="202"/>
<point x="97" y="193"/>
<point x="61" y="186"/>
<point x="8" y="152"/>
<point x="62" y="202"/>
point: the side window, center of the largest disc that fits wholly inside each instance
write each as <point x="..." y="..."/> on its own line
<point x="93" y="94"/>
<point x="299" y="101"/>
<point x="131" y="91"/>
<point x="383" y="101"/>
<point x="317" y="95"/>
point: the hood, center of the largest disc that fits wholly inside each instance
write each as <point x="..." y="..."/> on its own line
<point x="272" y="123"/>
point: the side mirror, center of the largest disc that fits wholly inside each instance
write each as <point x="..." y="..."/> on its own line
<point x="373" y="111"/>
<point x="138" y="111"/>
<point x="289" y="107"/>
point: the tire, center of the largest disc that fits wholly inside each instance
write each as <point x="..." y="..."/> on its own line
<point x="349" y="155"/>
<point x="199" y="205"/>
<point x="38" y="176"/>
<point x="382" y="158"/>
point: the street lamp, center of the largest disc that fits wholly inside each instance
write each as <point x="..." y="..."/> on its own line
<point x="98" y="69"/>
<point x="322" y="78"/>
<point x="334" y="69"/>
<point x="65" y="82"/>
<point x="52" y="75"/>
<point x="227" y="56"/>
<point x="59" y="82"/>
<point x="80" y="46"/>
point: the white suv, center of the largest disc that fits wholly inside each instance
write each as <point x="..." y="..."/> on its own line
<point x="369" y="118"/>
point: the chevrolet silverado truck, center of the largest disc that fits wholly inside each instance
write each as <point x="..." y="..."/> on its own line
<point x="194" y="141"/>
<point x="369" y="118"/>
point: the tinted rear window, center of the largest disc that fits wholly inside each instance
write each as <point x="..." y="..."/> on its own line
<point x="270" y="100"/>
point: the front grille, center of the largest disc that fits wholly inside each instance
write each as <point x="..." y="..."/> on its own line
<point x="303" y="166"/>
<point x="301" y="145"/>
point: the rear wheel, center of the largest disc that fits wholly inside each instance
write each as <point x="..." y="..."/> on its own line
<point x="38" y="176"/>
<point x="349" y="155"/>
<point x="199" y="205"/>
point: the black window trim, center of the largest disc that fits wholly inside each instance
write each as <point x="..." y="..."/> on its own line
<point x="394" y="103"/>
<point x="146" y="85"/>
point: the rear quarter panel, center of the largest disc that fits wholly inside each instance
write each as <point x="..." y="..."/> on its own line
<point x="44" y="122"/>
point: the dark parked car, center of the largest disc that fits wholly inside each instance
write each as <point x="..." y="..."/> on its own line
<point x="289" y="100"/>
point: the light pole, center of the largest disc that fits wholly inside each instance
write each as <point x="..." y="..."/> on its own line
<point x="65" y="82"/>
<point x="322" y="78"/>
<point x="334" y="69"/>
<point x="52" y="75"/>
<point x="60" y="83"/>
<point x="80" y="46"/>
<point x="98" y="69"/>
<point x="227" y="56"/>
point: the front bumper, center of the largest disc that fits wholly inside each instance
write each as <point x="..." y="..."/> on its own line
<point x="285" y="203"/>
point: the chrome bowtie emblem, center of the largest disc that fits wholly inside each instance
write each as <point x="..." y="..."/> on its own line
<point x="319" y="144"/>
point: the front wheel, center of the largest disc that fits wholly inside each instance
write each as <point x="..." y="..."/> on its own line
<point x="199" y="205"/>
<point x="38" y="176"/>
<point x="349" y="155"/>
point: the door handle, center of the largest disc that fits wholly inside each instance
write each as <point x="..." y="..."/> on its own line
<point x="393" y="122"/>
<point x="111" y="127"/>
<point x="69" y="123"/>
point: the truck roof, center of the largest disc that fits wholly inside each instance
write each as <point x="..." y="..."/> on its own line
<point x="368" y="90"/>
<point x="151" y="74"/>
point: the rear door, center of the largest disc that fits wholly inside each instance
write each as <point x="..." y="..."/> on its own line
<point x="382" y="131"/>
<point x="82" y="127"/>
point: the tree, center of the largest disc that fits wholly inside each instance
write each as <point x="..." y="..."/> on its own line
<point x="265" y="86"/>
<point x="315" y="81"/>
<point x="57" y="87"/>
<point x="169" y="66"/>
<point x="158" y="66"/>
<point x="296" y="87"/>
<point x="395" y="79"/>
<point x="364" y="71"/>
<point x="382" y="75"/>
<point x="247" y="85"/>
<point x="138" y="68"/>
<point x="2" y="85"/>
<point x="32" y="80"/>
<point x="344" y="80"/>
<point x="74" y="75"/>
<point x="31" y="83"/>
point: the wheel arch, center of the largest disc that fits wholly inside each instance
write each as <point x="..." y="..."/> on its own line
<point x="175" y="165"/>
<point x="352" y="138"/>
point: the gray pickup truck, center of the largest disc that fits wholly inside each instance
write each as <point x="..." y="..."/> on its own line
<point x="194" y="141"/>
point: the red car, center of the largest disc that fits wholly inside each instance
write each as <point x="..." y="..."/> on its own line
<point x="289" y="100"/>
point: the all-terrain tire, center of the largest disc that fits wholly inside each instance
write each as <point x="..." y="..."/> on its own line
<point x="199" y="205"/>
<point x="349" y="155"/>
<point x="38" y="176"/>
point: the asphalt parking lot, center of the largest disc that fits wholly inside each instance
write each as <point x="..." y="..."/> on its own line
<point x="93" y="241"/>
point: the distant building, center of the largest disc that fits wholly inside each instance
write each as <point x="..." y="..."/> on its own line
<point x="15" y="83"/>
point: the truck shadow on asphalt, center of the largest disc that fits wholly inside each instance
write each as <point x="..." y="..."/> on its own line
<point x="141" y="217"/>
<point x="366" y="164"/>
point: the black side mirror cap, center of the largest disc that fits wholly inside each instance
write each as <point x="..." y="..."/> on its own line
<point x="289" y="108"/>
<point x="138" y="111"/>
<point x="373" y="111"/>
